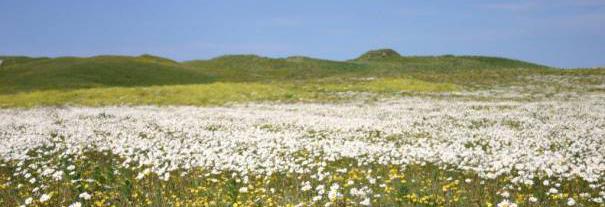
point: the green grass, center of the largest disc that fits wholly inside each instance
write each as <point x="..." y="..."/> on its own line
<point x="216" y="93"/>
<point x="101" y="80"/>
<point x="450" y="69"/>
<point x="22" y="74"/>
<point x="383" y="86"/>
<point x="101" y="71"/>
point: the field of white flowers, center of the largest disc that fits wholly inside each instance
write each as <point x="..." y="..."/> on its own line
<point x="405" y="151"/>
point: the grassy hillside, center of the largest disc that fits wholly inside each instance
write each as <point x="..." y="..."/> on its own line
<point x="255" y="68"/>
<point x="143" y="79"/>
<point x="12" y="60"/>
<point x="22" y="75"/>
<point x="471" y="71"/>
<point x="218" y="93"/>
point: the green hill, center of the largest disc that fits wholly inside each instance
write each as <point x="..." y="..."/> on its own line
<point x="13" y="60"/>
<point x="21" y="74"/>
<point x="439" y="62"/>
<point x="379" y="55"/>
<point x="377" y="64"/>
<point x="147" y="79"/>
<point x="255" y="68"/>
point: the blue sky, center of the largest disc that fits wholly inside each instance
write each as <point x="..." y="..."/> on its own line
<point x="561" y="33"/>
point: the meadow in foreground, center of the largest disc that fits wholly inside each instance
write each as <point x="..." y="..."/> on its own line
<point x="374" y="131"/>
<point x="403" y="151"/>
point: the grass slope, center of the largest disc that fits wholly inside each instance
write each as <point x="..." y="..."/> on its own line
<point x="149" y="79"/>
<point x="255" y="68"/>
<point x="217" y="93"/>
<point x="22" y="74"/>
<point x="463" y="69"/>
<point x="101" y="71"/>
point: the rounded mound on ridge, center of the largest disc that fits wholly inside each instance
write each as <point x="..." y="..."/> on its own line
<point x="379" y="54"/>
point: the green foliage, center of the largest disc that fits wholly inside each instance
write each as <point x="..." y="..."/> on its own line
<point x="89" y="80"/>
<point x="101" y="71"/>
<point x="22" y="74"/>
<point x="13" y="60"/>
<point x="102" y="175"/>
<point x="379" y="55"/>
<point x="252" y="68"/>
<point x="385" y="86"/>
<point x="215" y="93"/>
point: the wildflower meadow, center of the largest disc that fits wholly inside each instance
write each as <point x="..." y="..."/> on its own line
<point x="464" y="149"/>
